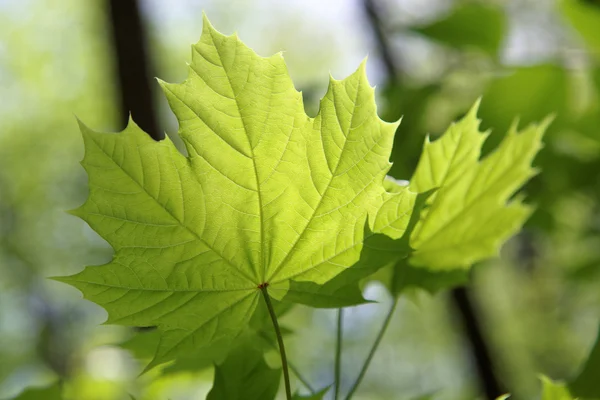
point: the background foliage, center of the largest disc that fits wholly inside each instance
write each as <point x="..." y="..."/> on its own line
<point x="539" y="304"/>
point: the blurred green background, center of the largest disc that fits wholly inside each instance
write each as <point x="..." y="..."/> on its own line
<point x="539" y="304"/>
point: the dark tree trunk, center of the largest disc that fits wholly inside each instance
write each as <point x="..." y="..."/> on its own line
<point x="133" y="65"/>
<point x="483" y="361"/>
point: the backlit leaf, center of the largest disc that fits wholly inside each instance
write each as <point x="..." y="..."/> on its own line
<point x="266" y="195"/>
<point x="471" y="213"/>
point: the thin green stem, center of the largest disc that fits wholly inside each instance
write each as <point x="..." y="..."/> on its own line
<point x="294" y="369"/>
<point x="338" y="353"/>
<point x="365" y="366"/>
<point x="284" y="363"/>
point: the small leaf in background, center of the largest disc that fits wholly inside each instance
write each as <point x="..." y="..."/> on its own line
<point x="245" y="376"/>
<point x="265" y="196"/>
<point x="52" y="392"/>
<point x="469" y="26"/>
<point x="554" y="390"/>
<point x="586" y="384"/>
<point x="471" y="213"/>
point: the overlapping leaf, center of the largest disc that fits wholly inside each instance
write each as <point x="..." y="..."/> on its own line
<point x="468" y="213"/>
<point x="472" y="213"/>
<point x="463" y="214"/>
<point x="379" y="250"/>
<point x="265" y="195"/>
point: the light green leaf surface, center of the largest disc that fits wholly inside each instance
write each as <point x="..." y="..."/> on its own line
<point x="379" y="251"/>
<point x="266" y="195"/>
<point x="472" y="213"/>
<point x="468" y="213"/>
<point x="245" y="376"/>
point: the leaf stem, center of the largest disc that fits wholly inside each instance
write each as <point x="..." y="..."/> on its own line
<point x="338" y="353"/>
<point x="365" y="366"/>
<point x="284" y="364"/>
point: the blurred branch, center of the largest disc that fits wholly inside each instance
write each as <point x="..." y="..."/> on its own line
<point x="485" y="368"/>
<point x="129" y="43"/>
<point x="383" y="46"/>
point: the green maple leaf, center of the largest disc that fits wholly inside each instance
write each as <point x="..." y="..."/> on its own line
<point x="471" y="214"/>
<point x="469" y="211"/>
<point x="378" y="251"/>
<point x="266" y="195"/>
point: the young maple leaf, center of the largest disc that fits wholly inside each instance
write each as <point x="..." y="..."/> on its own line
<point x="266" y="195"/>
<point x="471" y="214"/>
<point x="470" y="211"/>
